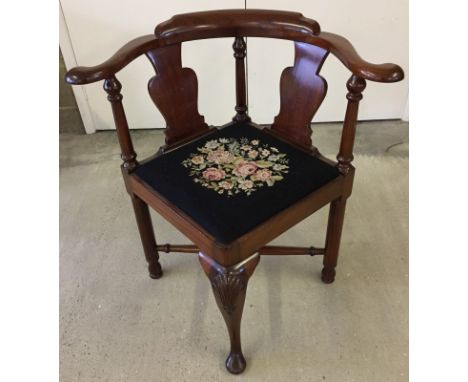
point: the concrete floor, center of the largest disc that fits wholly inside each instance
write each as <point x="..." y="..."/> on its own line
<point x="116" y="324"/>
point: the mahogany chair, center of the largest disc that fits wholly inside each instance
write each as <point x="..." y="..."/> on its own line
<point x="233" y="189"/>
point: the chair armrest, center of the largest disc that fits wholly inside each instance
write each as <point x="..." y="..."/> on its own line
<point x="82" y="75"/>
<point x="346" y="53"/>
<point x="336" y="44"/>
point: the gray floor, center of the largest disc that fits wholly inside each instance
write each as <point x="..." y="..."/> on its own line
<point x="116" y="324"/>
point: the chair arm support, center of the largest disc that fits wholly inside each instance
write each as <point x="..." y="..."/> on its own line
<point x="346" y="53"/>
<point x="356" y="86"/>
<point x="112" y="87"/>
<point x="82" y="75"/>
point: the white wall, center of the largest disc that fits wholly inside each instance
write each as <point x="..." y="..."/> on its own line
<point x="378" y="30"/>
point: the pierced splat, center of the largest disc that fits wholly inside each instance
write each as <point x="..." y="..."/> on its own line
<point x="174" y="86"/>
<point x="302" y="90"/>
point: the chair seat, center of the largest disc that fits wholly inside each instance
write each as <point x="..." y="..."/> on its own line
<point x="235" y="178"/>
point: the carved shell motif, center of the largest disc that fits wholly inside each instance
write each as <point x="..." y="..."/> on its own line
<point x="227" y="287"/>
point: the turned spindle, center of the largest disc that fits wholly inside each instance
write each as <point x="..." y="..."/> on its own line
<point x="112" y="87"/>
<point x="356" y="86"/>
<point x="240" y="47"/>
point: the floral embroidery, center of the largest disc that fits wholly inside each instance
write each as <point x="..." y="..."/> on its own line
<point x="230" y="166"/>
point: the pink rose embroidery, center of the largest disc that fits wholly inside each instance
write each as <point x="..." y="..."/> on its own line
<point x="220" y="157"/>
<point x="213" y="174"/>
<point x="245" y="169"/>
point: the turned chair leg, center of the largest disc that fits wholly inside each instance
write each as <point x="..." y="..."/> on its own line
<point x="145" y="227"/>
<point x="229" y="287"/>
<point x="332" y="243"/>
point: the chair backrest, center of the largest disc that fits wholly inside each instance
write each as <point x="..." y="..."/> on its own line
<point x="174" y="89"/>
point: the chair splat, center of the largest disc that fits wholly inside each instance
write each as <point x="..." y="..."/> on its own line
<point x="174" y="85"/>
<point x="302" y="91"/>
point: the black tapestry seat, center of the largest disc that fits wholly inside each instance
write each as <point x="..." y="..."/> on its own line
<point x="234" y="179"/>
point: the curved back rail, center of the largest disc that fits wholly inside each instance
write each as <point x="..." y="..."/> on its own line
<point x="246" y="23"/>
<point x="174" y="89"/>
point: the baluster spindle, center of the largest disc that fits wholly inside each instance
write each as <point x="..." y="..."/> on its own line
<point x="112" y="87"/>
<point x="356" y="86"/>
<point x="239" y="47"/>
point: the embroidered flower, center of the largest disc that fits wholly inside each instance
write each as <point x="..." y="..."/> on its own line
<point x="231" y="166"/>
<point x="213" y="174"/>
<point x="265" y="152"/>
<point x="262" y="175"/>
<point x="246" y="184"/>
<point x="253" y="154"/>
<point x="198" y="159"/>
<point x="220" y="156"/>
<point x="226" y="184"/>
<point x="211" y="144"/>
<point x="245" y="169"/>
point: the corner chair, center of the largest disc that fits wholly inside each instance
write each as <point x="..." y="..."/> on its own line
<point x="233" y="189"/>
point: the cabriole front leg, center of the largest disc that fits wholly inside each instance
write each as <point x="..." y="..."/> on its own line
<point x="145" y="227"/>
<point x="229" y="287"/>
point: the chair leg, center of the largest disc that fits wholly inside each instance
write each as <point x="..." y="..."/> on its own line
<point x="145" y="227"/>
<point x="229" y="287"/>
<point x="332" y="243"/>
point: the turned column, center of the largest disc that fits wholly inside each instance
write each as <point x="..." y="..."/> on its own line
<point x="142" y="215"/>
<point x="240" y="47"/>
<point x="229" y="287"/>
<point x="356" y="86"/>
<point x="112" y="87"/>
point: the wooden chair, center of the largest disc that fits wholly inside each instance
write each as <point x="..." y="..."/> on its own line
<point x="233" y="189"/>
